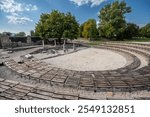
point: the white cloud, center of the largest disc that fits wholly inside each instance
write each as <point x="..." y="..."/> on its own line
<point x="10" y="6"/>
<point x="30" y="7"/>
<point x="16" y="19"/>
<point x="14" y="10"/>
<point x="92" y="2"/>
<point x="34" y="8"/>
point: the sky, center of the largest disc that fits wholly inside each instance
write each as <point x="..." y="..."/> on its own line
<point x="22" y="15"/>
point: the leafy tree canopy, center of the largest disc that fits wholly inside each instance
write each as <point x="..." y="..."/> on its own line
<point x="145" y="31"/>
<point x="89" y="29"/>
<point x="57" y="25"/>
<point x="131" y="30"/>
<point x="112" y="20"/>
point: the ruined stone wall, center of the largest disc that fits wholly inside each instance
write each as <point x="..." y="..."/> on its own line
<point x="12" y="42"/>
<point x="29" y="41"/>
<point x="5" y="41"/>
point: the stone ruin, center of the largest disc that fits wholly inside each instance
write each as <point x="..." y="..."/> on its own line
<point x="7" y="41"/>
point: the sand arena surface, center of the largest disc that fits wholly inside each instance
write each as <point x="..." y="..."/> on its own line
<point x="90" y="59"/>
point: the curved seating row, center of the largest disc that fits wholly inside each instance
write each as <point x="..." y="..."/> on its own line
<point x="128" y="78"/>
<point x="12" y="90"/>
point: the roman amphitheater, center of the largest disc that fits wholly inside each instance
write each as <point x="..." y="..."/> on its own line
<point x="110" y="70"/>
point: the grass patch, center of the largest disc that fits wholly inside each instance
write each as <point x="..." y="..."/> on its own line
<point x="95" y="42"/>
<point x="100" y="41"/>
<point x="138" y="40"/>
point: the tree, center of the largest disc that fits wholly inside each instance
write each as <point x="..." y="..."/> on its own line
<point x="131" y="30"/>
<point x="81" y="30"/>
<point x="90" y="29"/>
<point x="20" y="34"/>
<point x="145" y="31"/>
<point x="50" y="25"/>
<point x="112" y="20"/>
<point x="57" y="25"/>
<point x="71" y="27"/>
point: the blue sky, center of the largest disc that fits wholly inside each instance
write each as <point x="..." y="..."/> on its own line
<point x="22" y="15"/>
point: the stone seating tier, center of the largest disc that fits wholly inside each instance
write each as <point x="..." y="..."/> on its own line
<point x="128" y="78"/>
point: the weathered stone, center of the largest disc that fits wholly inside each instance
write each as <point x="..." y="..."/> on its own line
<point x="39" y="96"/>
<point x="20" y="71"/>
<point x="71" y="84"/>
<point x="30" y="98"/>
<point x="65" y="91"/>
<point x="32" y="71"/>
<point x="1" y="79"/>
<point x="86" y="96"/>
<point x="13" y="92"/>
<point x="5" y="83"/>
<point x="11" y="81"/>
<point x="51" y="90"/>
<point x="4" y="86"/>
<point x="58" y="96"/>
<point x="20" y="90"/>
<point x="1" y="90"/>
<point x="36" y="75"/>
<point x="70" y="97"/>
<point x="42" y="92"/>
<point x="3" y="98"/>
<point x="9" y="96"/>
<point x="24" y="87"/>
<point x="58" y="80"/>
<point x="26" y="73"/>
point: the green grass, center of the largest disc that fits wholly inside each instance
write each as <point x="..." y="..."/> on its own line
<point x="138" y="40"/>
<point x="97" y="42"/>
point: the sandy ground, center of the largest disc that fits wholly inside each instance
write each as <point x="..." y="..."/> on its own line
<point x="89" y="59"/>
<point x="48" y="54"/>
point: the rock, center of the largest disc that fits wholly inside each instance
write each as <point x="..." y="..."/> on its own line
<point x="44" y="51"/>
<point x="9" y="52"/>
<point x="4" y="57"/>
<point x="53" y="51"/>
<point x="28" y="56"/>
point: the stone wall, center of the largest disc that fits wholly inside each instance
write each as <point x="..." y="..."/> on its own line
<point x="11" y="42"/>
<point x="5" y="41"/>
